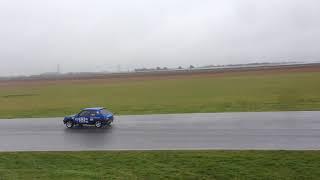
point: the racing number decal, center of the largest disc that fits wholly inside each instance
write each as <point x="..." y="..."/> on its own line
<point x="82" y="120"/>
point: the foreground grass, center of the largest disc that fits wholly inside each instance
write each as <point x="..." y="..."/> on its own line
<point x="237" y="92"/>
<point x="161" y="165"/>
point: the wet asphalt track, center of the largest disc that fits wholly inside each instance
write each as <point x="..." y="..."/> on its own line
<point x="265" y="130"/>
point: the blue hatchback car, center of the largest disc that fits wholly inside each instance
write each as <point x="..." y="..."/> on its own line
<point x="97" y="116"/>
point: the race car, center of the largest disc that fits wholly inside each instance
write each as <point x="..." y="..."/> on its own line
<point x="97" y="116"/>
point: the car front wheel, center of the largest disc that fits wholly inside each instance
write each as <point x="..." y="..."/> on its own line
<point x="108" y="123"/>
<point x="98" y="124"/>
<point x="69" y="124"/>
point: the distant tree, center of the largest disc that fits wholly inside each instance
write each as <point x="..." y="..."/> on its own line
<point x="179" y="67"/>
<point x="165" y="68"/>
<point x="158" y="68"/>
<point x="191" y="66"/>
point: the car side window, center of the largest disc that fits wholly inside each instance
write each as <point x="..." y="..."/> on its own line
<point x="84" y="113"/>
<point x="93" y="113"/>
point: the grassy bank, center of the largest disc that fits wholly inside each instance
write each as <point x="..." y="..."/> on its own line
<point x="235" y="92"/>
<point x="161" y="165"/>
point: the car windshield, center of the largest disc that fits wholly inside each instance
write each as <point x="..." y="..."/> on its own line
<point x="105" y="111"/>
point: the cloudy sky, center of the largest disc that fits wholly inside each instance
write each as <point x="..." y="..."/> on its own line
<point x="98" y="35"/>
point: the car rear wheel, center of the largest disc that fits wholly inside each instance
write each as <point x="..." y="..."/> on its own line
<point x="98" y="124"/>
<point x="69" y="124"/>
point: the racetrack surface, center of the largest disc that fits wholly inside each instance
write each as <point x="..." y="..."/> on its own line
<point x="252" y="130"/>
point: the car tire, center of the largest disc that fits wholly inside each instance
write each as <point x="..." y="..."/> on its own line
<point x="69" y="124"/>
<point x="108" y="123"/>
<point x="98" y="124"/>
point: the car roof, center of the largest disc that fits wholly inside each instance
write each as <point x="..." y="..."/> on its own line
<point x="94" y="108"/>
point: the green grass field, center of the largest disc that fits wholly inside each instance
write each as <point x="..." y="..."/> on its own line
<point x="234" y="92"/>
<point x="161" y="165"/>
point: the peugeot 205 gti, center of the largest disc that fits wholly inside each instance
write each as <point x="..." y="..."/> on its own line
<point x="97" y="116"/>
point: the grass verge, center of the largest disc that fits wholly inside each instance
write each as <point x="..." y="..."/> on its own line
<point x="234" y="92"/>
<point x="161" y="165"/>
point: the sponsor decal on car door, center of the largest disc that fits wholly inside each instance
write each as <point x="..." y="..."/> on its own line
<point x="82" y="120"/>
<point x="83" y="117"/>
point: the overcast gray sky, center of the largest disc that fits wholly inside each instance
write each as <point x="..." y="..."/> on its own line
<point x="97" y="35"/>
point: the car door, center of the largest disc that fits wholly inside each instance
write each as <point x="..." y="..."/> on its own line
<point x="93" y="117"/>
<point x="83" y="117"/>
